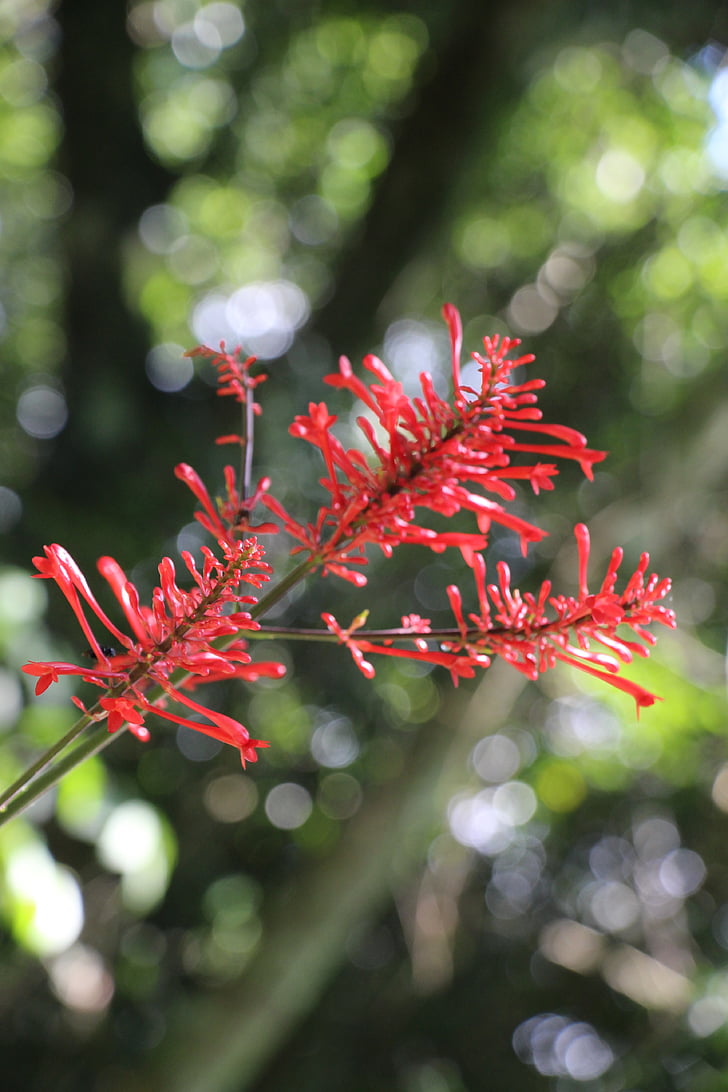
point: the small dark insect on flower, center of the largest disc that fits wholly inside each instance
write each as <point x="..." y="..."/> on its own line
<point x="107" y="650"/>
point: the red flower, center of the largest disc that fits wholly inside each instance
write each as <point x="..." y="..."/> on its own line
<point x="175" y="635"/>
<point x="121" y="711"/>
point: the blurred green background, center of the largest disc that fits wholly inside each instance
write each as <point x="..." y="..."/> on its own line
<point x="502" y="887"/>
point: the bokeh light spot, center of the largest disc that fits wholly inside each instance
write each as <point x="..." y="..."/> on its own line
<point x="219" y="24"/>
<point x="81" y="979"/>
<point x="168" y="369"/>
<point x="231" y="798"/>
<point x="532" y="309"/>
<point x="559" y="1047"/>
<point x="339" y="795"/>
<point x="195" y="50"/>
<point x="619" y="176"/>
<point x="22" y="599"/>
<point x="561" y="786"/>
<point x="334" y="743"/>
<point x="196" y="746"/>
<point x="53" y="912"/>
<point x="288" y="805"/>
<point x="496" y="758"/>
<point x="42" y="412"/>
<point x="264" y="316"/>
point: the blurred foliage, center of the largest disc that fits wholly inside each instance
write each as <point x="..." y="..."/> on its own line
<point x="415" y="889"/>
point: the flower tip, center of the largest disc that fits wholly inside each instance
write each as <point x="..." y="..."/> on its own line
<point x="249" y="750"/>
<point x="357" y="579"/>
<point x="644" y="701"/>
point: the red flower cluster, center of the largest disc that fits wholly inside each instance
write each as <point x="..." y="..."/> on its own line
<point x="175" y="634"/>
<point x="429" y="452"/>
<point x="520" y="629"/>
<point x="229" y="518"/>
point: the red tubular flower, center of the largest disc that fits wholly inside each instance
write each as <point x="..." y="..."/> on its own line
<point x="49" y="673"/>
<point x="354" y="646"/>
<point x="121" y="711"/>
<point x="429" y="453"/>
<point x="58" y="565"/>
<point x="223" y="727"/>
<point x="174" y="635"/>
<point x="415" y="624"/>
<point x="209" y="517"/>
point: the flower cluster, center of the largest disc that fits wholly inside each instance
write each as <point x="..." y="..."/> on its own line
<point x="231" y="517"/>
<point x="534" y="632"/>
<point x="426" y="455"/>
<point x="175" y="634"/>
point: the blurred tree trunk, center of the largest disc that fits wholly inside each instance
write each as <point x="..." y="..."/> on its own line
<point x="113" y="179"/>
<point x="113" y="407"/>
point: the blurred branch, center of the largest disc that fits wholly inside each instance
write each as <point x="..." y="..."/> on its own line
<point x="222" y="1043"/>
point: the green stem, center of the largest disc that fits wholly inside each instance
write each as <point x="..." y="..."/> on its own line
<point x="23" y="797"/>
<point x="32" y="774"/>
<point x="270" y="633"/>
<point x="271" y="597"/>
<point x="247" y="453"/>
